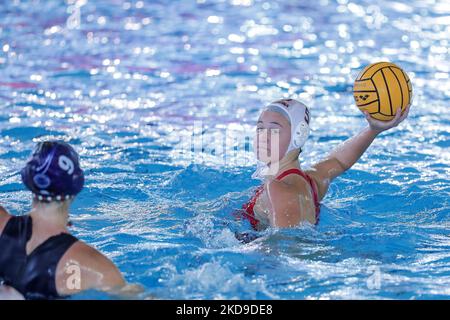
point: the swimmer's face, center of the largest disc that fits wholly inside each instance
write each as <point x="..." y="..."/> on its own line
<point x="273" y="134"/>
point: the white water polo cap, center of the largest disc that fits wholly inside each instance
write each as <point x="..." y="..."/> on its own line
<point x="298" y="115"/>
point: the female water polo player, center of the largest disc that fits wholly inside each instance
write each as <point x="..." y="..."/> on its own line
<point x="289" y="195"/>
<point x="39" y="258"/>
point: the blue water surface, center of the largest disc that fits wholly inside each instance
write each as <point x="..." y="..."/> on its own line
<point x="129" y="82"/>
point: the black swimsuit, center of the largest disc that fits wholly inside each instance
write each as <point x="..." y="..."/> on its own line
<point x="32" y="275"/>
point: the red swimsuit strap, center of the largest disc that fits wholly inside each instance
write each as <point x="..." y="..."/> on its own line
<point x="291" y="171"/>
<point x="310" y="181"/>
<point x="249" y="207"/>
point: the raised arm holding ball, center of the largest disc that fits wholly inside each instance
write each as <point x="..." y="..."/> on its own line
<point x="289" y="195"/>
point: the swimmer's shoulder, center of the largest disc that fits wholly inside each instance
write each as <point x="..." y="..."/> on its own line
<point x="288" y="187"/>
<point x="4" y="218"/>
<point x="292" y="183"/>
<point x="283" y="192"/>
<point x="95" y="269"/>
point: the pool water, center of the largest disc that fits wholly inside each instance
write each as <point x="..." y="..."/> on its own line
<point x="128" y="83"/>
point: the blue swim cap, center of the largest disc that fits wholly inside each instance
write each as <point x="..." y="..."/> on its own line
<point x="53" y="172"/>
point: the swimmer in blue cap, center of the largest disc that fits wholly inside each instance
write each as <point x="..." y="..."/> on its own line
<point x="39" y="258"/>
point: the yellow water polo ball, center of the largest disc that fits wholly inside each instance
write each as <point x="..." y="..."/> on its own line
<point x="381" y="88"/>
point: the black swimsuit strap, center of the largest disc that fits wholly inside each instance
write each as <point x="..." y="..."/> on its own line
<point x="42" y="265"/>
<point x="19" y="228"/>
<point x="13" y="241"/>
<point x="33" y="275"/>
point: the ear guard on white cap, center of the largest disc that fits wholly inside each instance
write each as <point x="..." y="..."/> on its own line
<point x="299" y="136"/>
